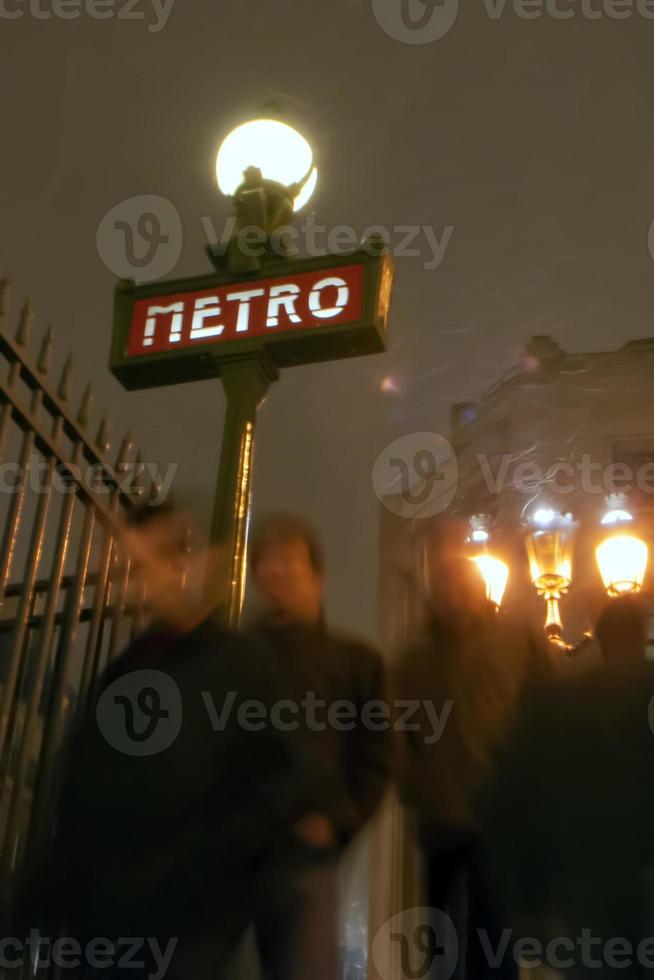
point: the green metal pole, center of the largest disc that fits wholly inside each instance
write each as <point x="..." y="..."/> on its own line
<point x="246" y="381"/>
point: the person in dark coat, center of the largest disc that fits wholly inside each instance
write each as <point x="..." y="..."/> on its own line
<point x="569" y="823"/>
<point x="179" y="791"/>
<point x="472" y="666"/>
<point x="621" y="629"/>
<point x="330" y="682"/>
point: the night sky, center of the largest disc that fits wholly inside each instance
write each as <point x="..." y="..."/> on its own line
<point x="534" y="139"/>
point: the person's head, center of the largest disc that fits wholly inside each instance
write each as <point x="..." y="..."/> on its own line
<point x="155" y="538"/>
<point x="621" y="629"/>
<point x="453" y="583"/>
<point x="288" y="568"/>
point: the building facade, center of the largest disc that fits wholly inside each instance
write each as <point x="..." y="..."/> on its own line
<point x="559" y="431"/>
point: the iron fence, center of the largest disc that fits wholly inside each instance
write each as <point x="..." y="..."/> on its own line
<point x="68" y="597"/>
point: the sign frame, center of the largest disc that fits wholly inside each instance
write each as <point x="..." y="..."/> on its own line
<point x="287" y="348"/>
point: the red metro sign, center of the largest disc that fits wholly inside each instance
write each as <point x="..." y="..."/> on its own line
<point x="315" y="309"/>
<point x="300" y="302"/>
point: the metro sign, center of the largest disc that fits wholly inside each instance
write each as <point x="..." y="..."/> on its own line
<point x="304" y="310"/>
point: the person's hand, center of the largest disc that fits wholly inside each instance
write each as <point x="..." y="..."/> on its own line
<point x="315" y="830"/>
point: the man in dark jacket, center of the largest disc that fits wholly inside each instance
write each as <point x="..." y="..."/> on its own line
<point x="337" y="713"/>
<point x="473" y="667"/>
<point x="569" y="823"/>
<point x="179" y="792"/>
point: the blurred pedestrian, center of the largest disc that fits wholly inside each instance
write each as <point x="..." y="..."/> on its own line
<point x="328" y="681"/>
<point x="569" y="824"/>
<point x="621" y="629"/>
<point x="470" y="670"/>
<point x="174" y="802"/>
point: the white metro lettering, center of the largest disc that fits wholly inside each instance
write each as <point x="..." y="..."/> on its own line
<point x="239" y="310"/>
<point x="282" y="296"/>
<point x="342" y="297"/>
<point x="205" y="307"/>
<point x="177" y="310"/>
<point x="244" y="297"/>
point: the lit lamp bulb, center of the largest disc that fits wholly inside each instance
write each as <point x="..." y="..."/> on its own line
<point x="621" y="557"/>
<point x="267" y="170"/>
<point x="495" y="574"/>
<point x="493" y="571"/>
<point x="276" y="150"/>
<point x="549" y="549"/>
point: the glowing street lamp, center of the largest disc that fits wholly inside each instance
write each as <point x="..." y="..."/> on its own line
<point x="494" y="571"/>
<point x="268" y="171"/>
<point x="621" y="556"/>
<point x="495" y="574"/>
<point x="549" y="549"/>
<point x="280" y="154"/>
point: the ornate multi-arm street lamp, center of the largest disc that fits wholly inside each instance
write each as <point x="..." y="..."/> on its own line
<point x="259" y="311"/>
<point x="621" y="557"/>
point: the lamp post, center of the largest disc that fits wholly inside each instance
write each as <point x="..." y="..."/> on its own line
<point x="267" y="170"/>
<point x="258" y="311"/>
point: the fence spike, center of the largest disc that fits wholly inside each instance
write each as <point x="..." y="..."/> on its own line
<point x="5" y="299"/>
<point x="155" y="490"/>
<point x="102" y="438"/>
<point x="125" y="447"/>
<point x="85" y="406"/>
<point x="43" y="363"/>
<point x="64" y="385"/>
<point x="25" y="324"/>
<point x="138" y="484"/>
